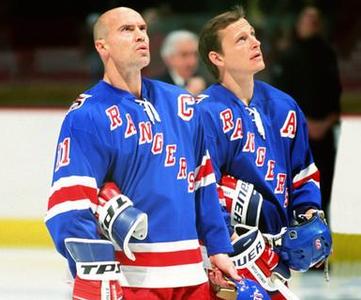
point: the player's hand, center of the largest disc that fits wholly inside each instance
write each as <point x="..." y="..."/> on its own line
<point x="222" y="266"/>
<point x="309" y="213"/>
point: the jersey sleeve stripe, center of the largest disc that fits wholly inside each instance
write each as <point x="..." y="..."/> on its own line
<point x="73" y="193"/>
<point x="204" y="173"/>
<point x="311" y="173"/>
<point x="73" y="180"/>
<point x="68" y="206"/>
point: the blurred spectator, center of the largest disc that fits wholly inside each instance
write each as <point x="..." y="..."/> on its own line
<point x="308" y="71"/>
<point x="154" y="17"/>
<point x="179" y="52"/>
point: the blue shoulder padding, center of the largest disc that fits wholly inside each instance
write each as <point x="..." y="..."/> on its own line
<point x="85" y="250"/>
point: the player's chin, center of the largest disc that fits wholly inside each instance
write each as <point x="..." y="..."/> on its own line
<point x="144" y="61"/>
<point x="259" y="67"/>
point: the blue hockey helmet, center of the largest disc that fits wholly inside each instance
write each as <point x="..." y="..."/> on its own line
<point x="250" y="289"/>
<point x="306" y="244"/>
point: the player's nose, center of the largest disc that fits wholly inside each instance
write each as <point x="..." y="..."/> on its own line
<point x="140" y="35"/>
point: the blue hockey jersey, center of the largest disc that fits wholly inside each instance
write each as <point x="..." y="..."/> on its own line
<point x="154" y="150"/>
<point x="264" y="143"/>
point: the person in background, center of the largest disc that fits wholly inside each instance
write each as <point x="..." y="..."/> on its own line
<point x="142" y="241"/>
<point x="179" y="52"/>
<point x="308" y="71"/>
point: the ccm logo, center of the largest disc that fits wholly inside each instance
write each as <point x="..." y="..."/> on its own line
<point x="100" y="269"/>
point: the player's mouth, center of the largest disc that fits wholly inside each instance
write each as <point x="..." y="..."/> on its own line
<point x="142" y="47"/>
<point x="256" y="56"/>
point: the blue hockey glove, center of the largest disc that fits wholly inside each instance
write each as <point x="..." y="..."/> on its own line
<point x="98" y="274"/>
<point x="119" y="219"/>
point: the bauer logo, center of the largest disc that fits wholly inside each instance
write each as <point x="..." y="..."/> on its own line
<point x="243" y="259"/>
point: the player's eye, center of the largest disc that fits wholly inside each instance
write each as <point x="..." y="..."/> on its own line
<point x="241" y="38"/>
<point x="143" y="28"/>
<point x="127" y="28"/>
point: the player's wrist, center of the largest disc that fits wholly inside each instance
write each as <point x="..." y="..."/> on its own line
<point x="304" y="211"/>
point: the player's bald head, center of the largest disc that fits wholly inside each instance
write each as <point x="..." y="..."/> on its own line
<point x="101" y="26"/>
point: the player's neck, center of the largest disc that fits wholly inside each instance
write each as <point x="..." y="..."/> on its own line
<point x="241" y="87"/>
<point x="128" y="81"/>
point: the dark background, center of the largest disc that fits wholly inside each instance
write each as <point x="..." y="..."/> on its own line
<point x="31" y="33"/>
<point x="38" y="23"/>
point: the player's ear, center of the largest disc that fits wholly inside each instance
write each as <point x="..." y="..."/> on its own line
<point x="215" y="58"/>
<point x="101" y="46"/>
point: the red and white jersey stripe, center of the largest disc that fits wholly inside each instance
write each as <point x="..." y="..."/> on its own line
<point x="72" y="193"/>
<point x="204" y="175"/>
<point x="310" y="174"/>
<point x="161" y="265"/>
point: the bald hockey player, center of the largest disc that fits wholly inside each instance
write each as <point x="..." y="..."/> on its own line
<point x="143" y="136"/>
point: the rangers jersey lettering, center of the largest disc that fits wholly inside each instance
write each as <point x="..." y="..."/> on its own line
<point x="154" y="150"/>
<point x="264" y="143"/>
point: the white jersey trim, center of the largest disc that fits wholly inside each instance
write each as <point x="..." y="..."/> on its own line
<point x="305" y="173"/>
<point x="315" y="182"/>
<point x="205" y="181"/>
<point x="73" y="180"/>
<point x="68" y="206"/>
<point x="164" y="246"/>
<point x="164" y="277"/>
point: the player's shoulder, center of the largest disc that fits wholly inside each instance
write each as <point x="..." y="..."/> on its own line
<point x="212" y="92"/>
<point x="274" y="95"/>
<point x="216" y="97"/>
<point x="87" y="106"/>
<point x="89" y="98"/>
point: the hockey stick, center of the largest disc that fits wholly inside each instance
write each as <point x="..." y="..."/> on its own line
<point x="284" y="290"/>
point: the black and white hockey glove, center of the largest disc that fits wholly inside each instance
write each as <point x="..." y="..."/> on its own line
<point x="241" y="200"/>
